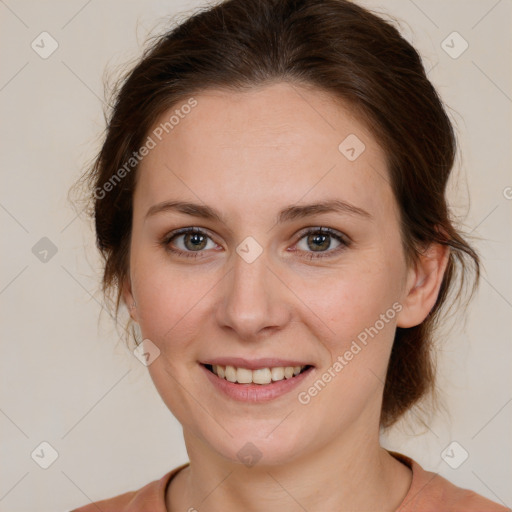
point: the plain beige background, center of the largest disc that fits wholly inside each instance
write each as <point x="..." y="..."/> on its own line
<point x="65" y="377"/>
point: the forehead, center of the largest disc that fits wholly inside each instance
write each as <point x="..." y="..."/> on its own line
<point x="261" y="149"/>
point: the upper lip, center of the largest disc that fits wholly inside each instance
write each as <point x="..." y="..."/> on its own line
<point x="254" y="364"/>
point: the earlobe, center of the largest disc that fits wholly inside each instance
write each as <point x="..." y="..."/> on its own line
<point x="129" y="299"/>
<point x="423" y="285"/>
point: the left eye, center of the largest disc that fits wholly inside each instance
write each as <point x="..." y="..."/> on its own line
<point x="320" y="241"/>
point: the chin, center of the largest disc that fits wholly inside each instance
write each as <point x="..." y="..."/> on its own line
<point x="255" y="447"/>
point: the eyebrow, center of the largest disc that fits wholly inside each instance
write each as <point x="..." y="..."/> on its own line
<point x="288" y="214"/>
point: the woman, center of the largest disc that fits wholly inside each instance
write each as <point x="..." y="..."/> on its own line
<point x="270" y="203"/>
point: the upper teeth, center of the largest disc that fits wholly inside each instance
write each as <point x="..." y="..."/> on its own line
<point x="260" y="376"/>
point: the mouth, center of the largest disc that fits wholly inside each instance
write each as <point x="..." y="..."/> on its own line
<point x="260" y="376"/>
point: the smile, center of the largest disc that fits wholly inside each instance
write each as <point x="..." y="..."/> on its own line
<point x="260" y="376"/>
<point x="260" y="384"/>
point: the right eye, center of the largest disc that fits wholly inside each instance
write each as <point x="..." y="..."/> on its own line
<point x="190" y="242"/>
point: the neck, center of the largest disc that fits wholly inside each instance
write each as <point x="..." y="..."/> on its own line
<point x="345" y="476"/>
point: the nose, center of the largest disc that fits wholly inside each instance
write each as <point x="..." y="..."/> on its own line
<point x="255" y="301"/>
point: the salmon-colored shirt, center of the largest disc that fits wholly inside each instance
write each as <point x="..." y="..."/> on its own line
<point x="429" y="492"/>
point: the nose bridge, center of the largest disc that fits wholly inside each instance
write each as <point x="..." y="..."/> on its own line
<point x="253" y="299"/>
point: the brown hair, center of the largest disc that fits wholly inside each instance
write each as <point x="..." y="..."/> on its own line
<point x="337" y="47"/>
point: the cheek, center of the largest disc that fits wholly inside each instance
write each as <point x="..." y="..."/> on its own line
<point x="354" y="298"/>
<point x="356" y="314"/>
<point x="169" y="298"/>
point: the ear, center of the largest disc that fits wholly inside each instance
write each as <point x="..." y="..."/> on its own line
<point x="128" y="298"/>
<point x="424" y="280"/>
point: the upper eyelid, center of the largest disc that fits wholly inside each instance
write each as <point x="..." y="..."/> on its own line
<point x="185" y="231"/>
<point x="321" y="229"/>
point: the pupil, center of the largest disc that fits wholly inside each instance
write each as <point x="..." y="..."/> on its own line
<point x="319" y="239"/>
<point x="196" y="239"/>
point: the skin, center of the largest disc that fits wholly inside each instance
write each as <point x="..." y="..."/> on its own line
<point x="249" y="155"/>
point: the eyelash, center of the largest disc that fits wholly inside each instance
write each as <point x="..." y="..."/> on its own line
<point x="345" y="243"/>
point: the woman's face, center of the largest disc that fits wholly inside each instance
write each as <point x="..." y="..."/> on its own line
<point x="261" y="282"/>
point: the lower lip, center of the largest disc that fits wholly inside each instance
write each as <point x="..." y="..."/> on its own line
<point x="256" y="392"/>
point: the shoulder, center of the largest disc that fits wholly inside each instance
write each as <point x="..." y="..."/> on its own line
<point x="150" y="498"/>
<point x="430" y="492"/>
